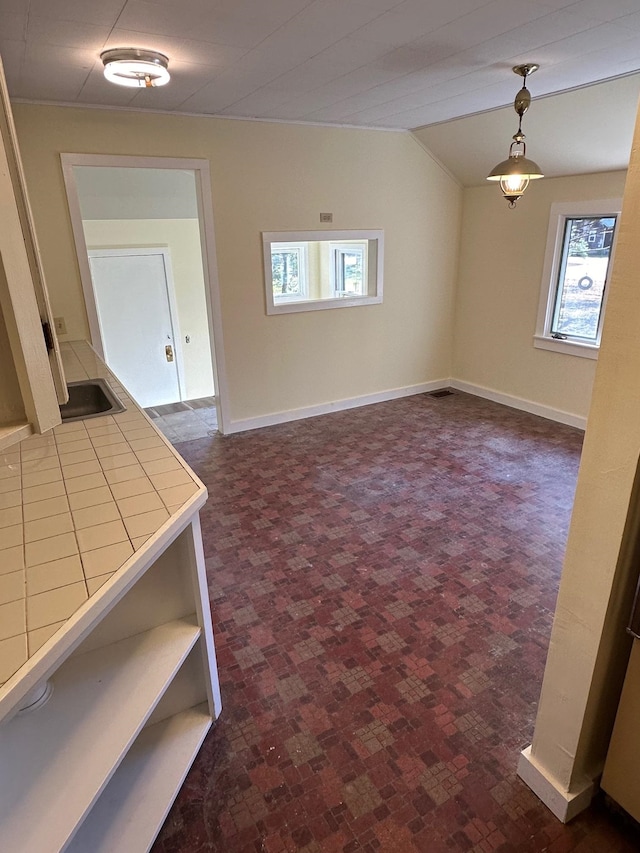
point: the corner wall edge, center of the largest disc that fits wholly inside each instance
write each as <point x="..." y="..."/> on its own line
<point x="565" y="805"/>
<point x="520" y="403"/>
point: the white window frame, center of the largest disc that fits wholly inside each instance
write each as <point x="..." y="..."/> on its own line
<point x="337" y="251"/>
<point x="374" y="269"/>
<point x="303" y="273"/>
<point x="560" y="212"/>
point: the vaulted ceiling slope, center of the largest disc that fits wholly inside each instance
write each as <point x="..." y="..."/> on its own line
<point x="574" y="133"/>
<point x="380" y="63"/>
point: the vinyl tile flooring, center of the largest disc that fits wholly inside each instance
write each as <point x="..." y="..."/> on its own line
<point x="382" y="584"/>
<point x="187" y="420"/>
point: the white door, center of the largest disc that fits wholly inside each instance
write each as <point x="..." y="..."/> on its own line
<point x="133" y="301"/>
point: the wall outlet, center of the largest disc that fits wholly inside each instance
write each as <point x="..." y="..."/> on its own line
<point x="326" y="217"/>
<point x="60" y="325"/>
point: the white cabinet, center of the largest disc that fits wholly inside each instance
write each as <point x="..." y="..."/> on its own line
<point x="31" y="379"/>
<point x="97" y="766"/>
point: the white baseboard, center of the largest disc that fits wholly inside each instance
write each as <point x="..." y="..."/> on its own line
<point x="565" y="805"/>
<point x="245" y="424"/>
<point x="518" y="403"/>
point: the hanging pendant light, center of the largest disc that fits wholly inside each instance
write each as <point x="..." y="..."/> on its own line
<point x="131" y="66"/>
<point x="517" y="170"/>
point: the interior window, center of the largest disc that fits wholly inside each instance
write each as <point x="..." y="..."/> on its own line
<point x="308" y="270"/>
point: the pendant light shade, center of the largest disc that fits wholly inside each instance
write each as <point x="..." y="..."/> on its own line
<point x="514" y="175"/>
<point x="131" y="66"/>
<point x="517" y="170"/>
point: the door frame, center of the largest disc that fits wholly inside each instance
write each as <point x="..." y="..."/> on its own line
<point x="207" y="241"/>
<point x="171" y="299"/>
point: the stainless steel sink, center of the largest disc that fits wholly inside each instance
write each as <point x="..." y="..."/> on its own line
<point x="90" y="398"/>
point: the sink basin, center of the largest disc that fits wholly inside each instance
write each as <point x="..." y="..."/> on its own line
<point x="90" y="398"/>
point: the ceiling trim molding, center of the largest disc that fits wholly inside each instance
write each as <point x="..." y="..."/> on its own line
<point x="218" y="116"/>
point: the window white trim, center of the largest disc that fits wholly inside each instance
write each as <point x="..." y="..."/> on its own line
<point x="560" y="212"/>
<point x="303" y="273"/>
<point x="374" y="269"/>
<point x="338" y="250"/>
<point x="570" y="347"/>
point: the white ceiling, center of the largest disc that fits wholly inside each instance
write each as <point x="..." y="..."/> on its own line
<point x="376" y="63"/>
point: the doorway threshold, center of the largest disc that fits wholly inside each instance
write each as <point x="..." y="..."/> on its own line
<point x="186" y="420"/>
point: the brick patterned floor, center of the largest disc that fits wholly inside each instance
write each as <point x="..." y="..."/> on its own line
<point x="382" y="585"/>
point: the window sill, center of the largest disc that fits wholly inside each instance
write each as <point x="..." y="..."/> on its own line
<point x="321" y="304"/>
<point x="567" y="347"/>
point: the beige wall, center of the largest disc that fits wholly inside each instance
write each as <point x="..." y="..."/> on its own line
<point x="589" y="647"/>
<point x="501" y="258"/>
<point x="278" y="177"/>
<point x="182" y="238"/>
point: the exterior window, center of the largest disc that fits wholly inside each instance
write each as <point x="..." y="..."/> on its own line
<point x="289" y="272"/>
<point x="349" y="262"/>
<point x="584" y="266"/>
<point x="580" y="246"/>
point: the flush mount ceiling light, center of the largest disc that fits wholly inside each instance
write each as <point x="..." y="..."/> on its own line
<point x="131" y="66"/>
<point x="517" y="170"/>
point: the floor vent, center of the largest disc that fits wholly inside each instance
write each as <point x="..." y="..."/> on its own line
<point x="443" y="392"/>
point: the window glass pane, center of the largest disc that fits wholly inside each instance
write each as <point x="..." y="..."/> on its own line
<point x="352" y="272"/>
<point x="349" y="270"/>
<point x="334" y="269"/>
<point x="583" y="272"/>
<point x="286" y="273"/>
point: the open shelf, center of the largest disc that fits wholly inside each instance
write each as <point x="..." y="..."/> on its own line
<point x="135" y="803"/>
<point x="14" y="432"/>
<point x="58" y="759"/>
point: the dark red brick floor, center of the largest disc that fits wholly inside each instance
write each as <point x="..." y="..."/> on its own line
<point x="382" y="585"/>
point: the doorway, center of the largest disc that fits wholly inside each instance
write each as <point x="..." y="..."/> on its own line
<point x="143" y="229"/>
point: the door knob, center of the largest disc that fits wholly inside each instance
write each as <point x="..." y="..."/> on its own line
<point x="168" y="351"/>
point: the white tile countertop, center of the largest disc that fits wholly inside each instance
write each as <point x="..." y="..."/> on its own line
<point x="78" y="505"/>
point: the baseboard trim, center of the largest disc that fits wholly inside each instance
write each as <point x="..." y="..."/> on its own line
<point x="518" y="403"/>
<point x="565" y="805"/>
<point x="244" y="424"/>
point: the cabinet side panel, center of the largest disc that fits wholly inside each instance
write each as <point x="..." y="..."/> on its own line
<point x="21" y="315"/>
<point x="16" y="172"/>
<point x="11" y="406"/>
<point x="203" y="609"/>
